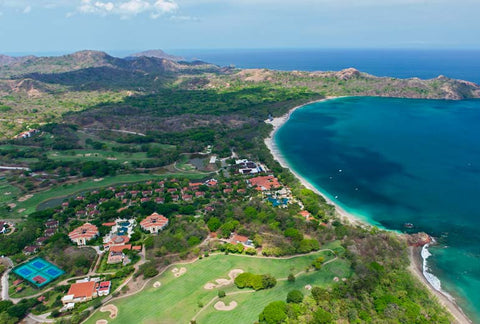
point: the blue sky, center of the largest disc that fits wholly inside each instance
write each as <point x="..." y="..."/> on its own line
<point x="36" y="26"/>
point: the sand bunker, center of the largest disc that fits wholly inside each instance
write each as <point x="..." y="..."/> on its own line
<point x="223" y="282"/>
<point x="156" y="284"/>
<point x="101" y="322"/>
<point x="308" y="287"/>
<point x="110" y="308"/>
<point x="179" y="272"/>
<point x="222" y="307"/>
<point x="26" y="197"/>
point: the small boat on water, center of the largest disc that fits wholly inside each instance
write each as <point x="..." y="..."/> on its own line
<point x="408" y="225"/>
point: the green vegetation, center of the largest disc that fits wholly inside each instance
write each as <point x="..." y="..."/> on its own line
<point x="381" y="289"/>
<point x="110" y="130"/>
<point x="256" y="282"/>
<point x="177" y="299"/>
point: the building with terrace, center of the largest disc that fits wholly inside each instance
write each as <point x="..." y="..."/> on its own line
<point x="154" y="223"/>
<point x="81" y="235"/>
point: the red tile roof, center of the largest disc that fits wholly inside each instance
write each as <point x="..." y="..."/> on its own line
<point x="17" y="282"/>
<point x="120" y="248"/>
<point x="304" y="213"/>
<point x="104" y="285"/>
<point x="86" y="231"/>
<point x="82" y="289"/>
<point x="154" y="220"/>
<point x="239" y="238"/>
<point x="109" y="224"/>
<point x="265" y="182"/>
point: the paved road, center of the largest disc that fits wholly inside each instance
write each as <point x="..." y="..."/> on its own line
<point x="5" y="278"/>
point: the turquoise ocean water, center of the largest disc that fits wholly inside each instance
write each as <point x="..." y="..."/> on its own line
<point x="393" y="161"/>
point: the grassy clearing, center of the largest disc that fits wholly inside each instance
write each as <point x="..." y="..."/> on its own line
<point x="97" y="155"/>
<point x="8" y="193"/>
<point x="59" y="192"/>
<point x="179" y="299"/>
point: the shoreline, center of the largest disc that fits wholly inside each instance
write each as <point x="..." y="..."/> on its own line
<point x="277" y="123"/>
<point x="416" y="269"/>
<point x="416" y="265"/>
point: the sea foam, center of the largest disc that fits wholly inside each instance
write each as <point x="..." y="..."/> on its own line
<point x="431" y="278"/>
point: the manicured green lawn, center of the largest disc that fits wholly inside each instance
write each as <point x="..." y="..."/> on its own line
<point x="177" y="300"/>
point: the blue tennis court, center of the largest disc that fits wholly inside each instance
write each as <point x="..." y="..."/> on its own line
<point x="38" y="271"/>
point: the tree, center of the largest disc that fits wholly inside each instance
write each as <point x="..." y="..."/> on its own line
<point x="148" y="270"/>
<point x="213" y="224"/>
<point x="274" y="313"/>
<point x="322" y="317"/>
<point x="268" y="281"/>
<point x="319" y="294"/>
<point x="291" y="277"/>
<point x="221" y="294"/>
<point x="317" y="263"/>
<point x="295" y="296"/>
<point x="5" y="318"/>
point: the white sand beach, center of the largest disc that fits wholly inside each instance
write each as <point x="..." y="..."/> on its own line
<point x="269" y="141"/>
<point x="416" y="268"/>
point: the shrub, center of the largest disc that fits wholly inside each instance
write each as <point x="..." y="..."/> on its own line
<point x="251" y="251"/>
<point x="317" y="263"/>
<point x="274" y="313"/>
<point x="257" y="282"/>
<point x="221" y="294"/>
<point x="291" y="277"/>
<point x="295" y="296"/>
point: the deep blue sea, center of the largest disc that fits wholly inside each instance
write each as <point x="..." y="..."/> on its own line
<point x="401" y="160"/>
<point x="397" y="161"/>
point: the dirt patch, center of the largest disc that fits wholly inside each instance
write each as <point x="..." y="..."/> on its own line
<point x="156" y="284"/>
<point x="110" y="308"/>
<point x="223" y="282"/>
<point x="98" y="179"/>
<point x="26" y="197"/>
<point x="222" y="307"/>
<point x="179" y="272"/>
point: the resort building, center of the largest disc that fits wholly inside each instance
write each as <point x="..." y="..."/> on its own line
<point x="305" y="214"/>
<point x="85" y="291"/>
<point x="80" y="292"/>
<point x="248" y="167"/>
<point x="81" y="235"/>
<point x="30" y="249"/>
<point x="116" y="255"/>
<point x="3" y="227"/>
<point x="235" y="239"/>
<point x="52" y="224"/>
<point x="264" y="183"/>
<point x="103" y="288"/>
<point x="154" y="223"/>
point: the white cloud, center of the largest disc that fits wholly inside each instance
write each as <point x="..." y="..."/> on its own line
<point x="127" y="8"/>
<point x="27" y="9"/>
